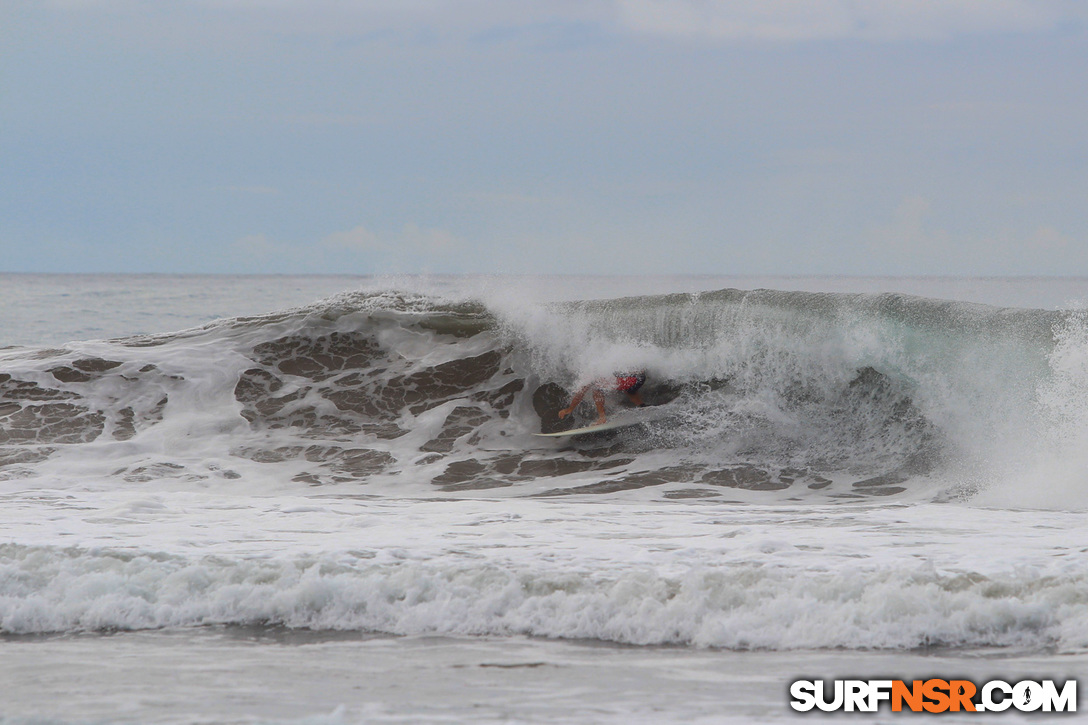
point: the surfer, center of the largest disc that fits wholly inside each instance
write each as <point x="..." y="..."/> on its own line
<point x="625" y="382"/>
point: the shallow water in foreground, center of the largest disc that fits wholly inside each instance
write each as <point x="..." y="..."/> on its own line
<point x="258" y="675"/>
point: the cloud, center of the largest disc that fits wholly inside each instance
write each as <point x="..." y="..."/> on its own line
<point x="411" y="249"/>
<point x="1047" y="238"/>
<point x="909" y="239"/>
<point x="912" y="243"/>
<point x="258" y="244"/>
<point x="241" y="24"/>
<point x="357" y="239"/>
<point x="258" y="253"/>
<point x="183" y="24"/>
<point x="258" y="190"/>
<point x="765" y="19"/>
<point x="326" y="120"/>
<point x="411" y="239"/>
<point x="504" y="198"/>
<point x="428" y="241"/>
<point x="360" y="250"/>
<point x="787" y="20"/>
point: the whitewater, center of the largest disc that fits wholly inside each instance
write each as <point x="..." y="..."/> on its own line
<point x="321" y="499"/>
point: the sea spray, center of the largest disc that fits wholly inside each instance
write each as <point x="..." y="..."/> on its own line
<point x="405" y="392"/>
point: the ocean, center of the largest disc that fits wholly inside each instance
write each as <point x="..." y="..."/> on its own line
<point x="321" y="499"/>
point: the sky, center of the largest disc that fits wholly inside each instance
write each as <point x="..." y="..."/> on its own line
<point x="852" y="137"/>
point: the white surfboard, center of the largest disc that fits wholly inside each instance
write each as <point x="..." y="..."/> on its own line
<point x="619" y="421"/>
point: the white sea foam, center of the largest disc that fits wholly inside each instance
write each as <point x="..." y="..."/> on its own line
<point x="740" y="577"/>
<point x="745" y="608"/>
<point x="189" y="512"/>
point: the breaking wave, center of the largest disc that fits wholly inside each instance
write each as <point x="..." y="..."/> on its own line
<point x="747" y="606"/>
<point x="845" y="394"/>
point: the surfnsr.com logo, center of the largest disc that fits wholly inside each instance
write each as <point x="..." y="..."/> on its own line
<point x="933" y="695"/>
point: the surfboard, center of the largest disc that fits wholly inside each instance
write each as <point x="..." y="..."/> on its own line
<point x="619" y="421"/>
